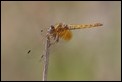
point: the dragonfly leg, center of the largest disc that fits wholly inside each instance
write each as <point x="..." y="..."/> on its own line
<point x="56" y="40"/>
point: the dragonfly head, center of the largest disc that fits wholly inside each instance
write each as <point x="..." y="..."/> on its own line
<point x="51" y="29"/>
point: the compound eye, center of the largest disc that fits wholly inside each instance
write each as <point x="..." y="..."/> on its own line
<point x="52" y="27"/>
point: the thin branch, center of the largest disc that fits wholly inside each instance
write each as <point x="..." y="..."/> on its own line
<point x="46" y="60"/>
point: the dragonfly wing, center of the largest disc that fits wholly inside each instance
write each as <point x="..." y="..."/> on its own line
<point x="66" y="35"/>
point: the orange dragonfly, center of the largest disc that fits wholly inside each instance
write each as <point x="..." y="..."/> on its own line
<point x="64" y="31"/>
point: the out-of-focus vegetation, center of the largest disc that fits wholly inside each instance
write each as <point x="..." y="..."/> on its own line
<point x="92" y="54"/>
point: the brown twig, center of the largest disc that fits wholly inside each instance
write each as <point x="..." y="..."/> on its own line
<point x="46" y="60"/>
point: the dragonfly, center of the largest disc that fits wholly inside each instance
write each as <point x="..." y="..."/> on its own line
<point x="63" y="31"/>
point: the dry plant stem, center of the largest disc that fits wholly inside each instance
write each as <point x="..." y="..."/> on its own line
<point x="46" y="60"/>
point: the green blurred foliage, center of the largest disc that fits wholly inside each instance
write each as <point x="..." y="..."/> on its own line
<point x="92" y="54"/>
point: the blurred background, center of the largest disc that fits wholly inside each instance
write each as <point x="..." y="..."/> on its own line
<point x="91" y="54"/>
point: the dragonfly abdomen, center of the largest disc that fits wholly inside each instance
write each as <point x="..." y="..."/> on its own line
<point x="72" y="27"/>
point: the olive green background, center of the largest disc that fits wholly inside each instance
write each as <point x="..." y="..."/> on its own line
<point x="91" y="54"/>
